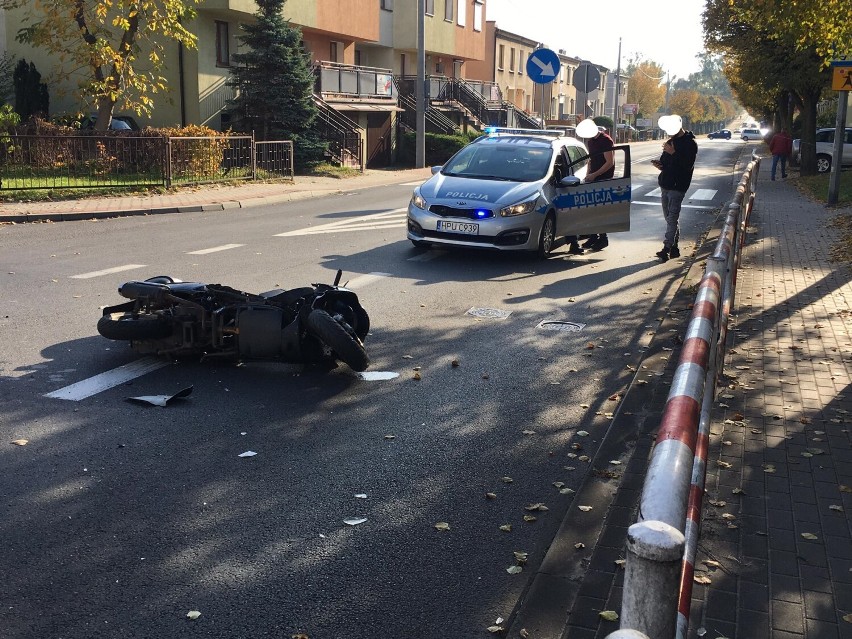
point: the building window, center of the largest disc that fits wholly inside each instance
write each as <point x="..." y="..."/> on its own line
<point x="357" y="57"/>
<point x="521" y="62"/>
<point x="501" y="49"/>
<point x="448" y="10"/>
<point x="439" y="68"/>
<point x="387" y="5"/>
<point x="430" y="7"/>
<point x="477" y="15"/>
<point x="511" y="59"/>
<point x="223" y="50"/>
<point x="332" y="51"/>
<point x="461" y="13"/>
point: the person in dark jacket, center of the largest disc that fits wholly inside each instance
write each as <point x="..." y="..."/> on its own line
<point x="676" y="165"/>
<point x="781" y="147"/>
<point x="601" y="167"/>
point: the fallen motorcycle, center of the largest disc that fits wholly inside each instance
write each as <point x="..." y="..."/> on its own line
<point x="311" y="325"/>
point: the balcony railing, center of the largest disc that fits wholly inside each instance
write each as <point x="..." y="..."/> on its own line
<point x="354" y="82"/>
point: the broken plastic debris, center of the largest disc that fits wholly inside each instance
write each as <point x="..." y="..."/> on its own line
<point x="248" y="453"/>
<point x="361" y="496"/>
<point x="376" y="376"/>
<point x="193" y="614"/>
<point x="354" y="521"/>
<point x="20" y="442"/>
<point x="161" y="400"/>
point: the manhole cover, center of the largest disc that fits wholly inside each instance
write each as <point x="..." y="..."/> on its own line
<point x="557" y="325"/>
<point x="488" y="313"/>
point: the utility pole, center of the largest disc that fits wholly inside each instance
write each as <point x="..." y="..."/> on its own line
<point x="617" y="89"/>
<point x="420" y="88"/>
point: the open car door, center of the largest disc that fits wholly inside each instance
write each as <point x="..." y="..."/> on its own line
<point x="596" y="207"/>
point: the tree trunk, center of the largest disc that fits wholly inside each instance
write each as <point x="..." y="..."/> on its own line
<point x="807" y="147"/>
<point x="105" y="109"/>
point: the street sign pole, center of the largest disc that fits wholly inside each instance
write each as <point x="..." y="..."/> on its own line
<point x="617" y="87"/>
<point x="839" y="138"/>
<point x="420" y="88"/>
<point x="543" y="68"/>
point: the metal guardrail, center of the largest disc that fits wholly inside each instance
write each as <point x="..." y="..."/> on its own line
<point x="31" y="162"/>
<point x="661" y="546"/>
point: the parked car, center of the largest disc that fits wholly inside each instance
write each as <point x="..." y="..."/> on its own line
<point x="825" y="149"/>
<point x="751" y="134"/>
<point x="723" y="134"/>
<point x="518" y="190"/>
<point x="118" y="123"/>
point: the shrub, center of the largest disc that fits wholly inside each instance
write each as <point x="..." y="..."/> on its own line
<point x="439" y="147"/>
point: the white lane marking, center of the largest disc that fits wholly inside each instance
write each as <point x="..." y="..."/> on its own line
<point x="655" y="193"/>
<point x="224" y="247"/>
<point x="360" y="223"/>
<point x="363" y="280"/>
<point x="417" y="183"/>
<point x="107" y="271"/>
<point x="683" y="206"/>
<point x="703" y="194"/>
<point x="105" y="381"/>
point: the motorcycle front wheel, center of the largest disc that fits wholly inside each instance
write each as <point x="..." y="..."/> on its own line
<point x="346" y="346"/>
<point x="127" y="326"/>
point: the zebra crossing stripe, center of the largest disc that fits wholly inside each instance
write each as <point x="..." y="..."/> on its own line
<point x="384" y="219"/>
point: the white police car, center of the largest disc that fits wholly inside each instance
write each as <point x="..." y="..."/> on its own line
<point x="518" y="190"/>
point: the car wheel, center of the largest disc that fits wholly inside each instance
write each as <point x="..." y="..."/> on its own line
<point x="547" y="237"/>
<point x="823" y="163"/>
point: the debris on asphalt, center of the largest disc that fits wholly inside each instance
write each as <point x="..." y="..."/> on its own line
<point x="248" y="453"/>
<point x="161" y="400"/>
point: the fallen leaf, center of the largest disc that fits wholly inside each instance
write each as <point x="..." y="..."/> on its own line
<point x="299" y="636"/>
<point x="583" y="433"/>
<point x="521" y="557"/>
<point x="728" y="516"/>
<point x="702" y="579"/>
<point x="506" y="527"/>
<point x="193" y="614"/>
<point x="615" y="462"/>
<point x="614" y="397"/>
<point x="248" y="453"/>
<point x="566" y="491"/>
<point x="416" y="375"/>
<point x="620" y="562"/>
<point x="530" y="518"/>
<point x="769" y="468"/>
<point x="810" y="536"/>
<point x="579" y="545"/>
<point x="847" y="618"/>
<point x="506" y="480"/>
<point x="523" y="632"/>
<point x="536" y="506"/>
<point x="724" y="464"/>
<point x="608" y="615"/>
<point x="514" y="570"/>
<point x="585" y="509"/>
<point x="738" y="491"/>
<point x="495" y="629"/>
<point x="718" y="504"/>
<point x="454" y="363"/>
<point x="490" y="496"/>
<point x="407" y="357"/>
<point x="845" y="489"/>
<point x="584" y="458"/>
<point x="390" y="436"/>
<point x="711" y="563"/>
<point x="528" y="432"/>
<point x="20" y="442"/>
<point x="836" y="507"/>
<point x="442" y="526"/>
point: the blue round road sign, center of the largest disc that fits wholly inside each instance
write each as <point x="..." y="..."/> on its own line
<point x="543" y="66"/>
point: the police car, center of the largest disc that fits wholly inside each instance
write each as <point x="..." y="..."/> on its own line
<point x="518" y="190"/>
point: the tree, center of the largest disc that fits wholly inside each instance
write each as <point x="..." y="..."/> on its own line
<point x="777" y="51"/>
<point x="31" y="97"/>
<point x="7" y="86"/>
<point x="119" y="44"/>
<point x="644" y="87"/>
<point x="275" y="83"/>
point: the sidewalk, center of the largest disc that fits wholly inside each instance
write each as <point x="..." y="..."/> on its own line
<point x="206" y="197"/>
<point x="777" y="519"/>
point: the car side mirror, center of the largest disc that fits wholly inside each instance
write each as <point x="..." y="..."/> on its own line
<point x="435" y="169"/>
<point x="571" y="180"/>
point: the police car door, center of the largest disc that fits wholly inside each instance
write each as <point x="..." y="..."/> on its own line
<point x="597" y="207"/>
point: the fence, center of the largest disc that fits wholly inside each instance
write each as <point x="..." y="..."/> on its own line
<point x="113" y="161"/>
<point x="661" y="546"/>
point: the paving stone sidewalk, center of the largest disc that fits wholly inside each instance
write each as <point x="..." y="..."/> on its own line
<point x="208" y="197"/>
<point x="776" y="540"/>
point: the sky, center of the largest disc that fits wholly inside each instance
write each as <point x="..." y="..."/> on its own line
<point x="644" y="28"/>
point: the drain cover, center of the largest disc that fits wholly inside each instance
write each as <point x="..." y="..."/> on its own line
<point x="557" y="325"/>
<point x="488" y="313"/>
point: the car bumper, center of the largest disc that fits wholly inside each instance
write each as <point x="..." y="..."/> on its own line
<point x="505" y="234"/>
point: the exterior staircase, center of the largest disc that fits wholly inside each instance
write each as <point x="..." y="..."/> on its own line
<point x="344" y="135"/>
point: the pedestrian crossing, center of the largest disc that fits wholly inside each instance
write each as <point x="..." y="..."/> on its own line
<point x="698" y="195"/>
<point x="374" y="221"/>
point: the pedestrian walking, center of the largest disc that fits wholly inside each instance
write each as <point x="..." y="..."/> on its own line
<point x="781" y="147"/>
<point x="601" y="167"/>
<point x="676" y="165"/>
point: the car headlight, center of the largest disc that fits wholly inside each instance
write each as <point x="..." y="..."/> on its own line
<point x="418" y="201"/>
<point x="521" y="208"/>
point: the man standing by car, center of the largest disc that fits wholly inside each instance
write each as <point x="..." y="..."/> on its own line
<point x="676" y="165"/>
<point x="781" y="147"/>
<point x="601" y="167"/>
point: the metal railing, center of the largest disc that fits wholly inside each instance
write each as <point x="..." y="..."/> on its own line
<point x="355" y="81"/>
<point x="661" y="546"/>
<point x="29" y="162"/>
<point x="343" y="135"/>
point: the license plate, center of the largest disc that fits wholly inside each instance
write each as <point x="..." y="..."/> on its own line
<point x="458" y="227"/>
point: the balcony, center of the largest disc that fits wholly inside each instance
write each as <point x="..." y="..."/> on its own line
<point x="356" y="88"/>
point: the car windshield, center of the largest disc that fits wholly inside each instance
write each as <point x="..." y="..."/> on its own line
<point x="515" y="159"/>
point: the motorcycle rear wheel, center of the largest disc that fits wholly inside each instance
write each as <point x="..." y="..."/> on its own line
<point x="127" y="326"/>
<point x="345" y="344"/>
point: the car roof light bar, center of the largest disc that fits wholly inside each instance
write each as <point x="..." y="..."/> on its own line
<point x="556" y="133"/>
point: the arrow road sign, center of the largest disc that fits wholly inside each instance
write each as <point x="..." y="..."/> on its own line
<point x="543" y="66"/>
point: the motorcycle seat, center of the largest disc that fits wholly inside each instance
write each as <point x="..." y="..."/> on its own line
<point x="287" y="297"/>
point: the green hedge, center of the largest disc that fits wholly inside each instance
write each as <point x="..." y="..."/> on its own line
<point x="439" y="148"/>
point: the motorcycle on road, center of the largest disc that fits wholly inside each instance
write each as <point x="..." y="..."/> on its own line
<point x="310" y="325"/>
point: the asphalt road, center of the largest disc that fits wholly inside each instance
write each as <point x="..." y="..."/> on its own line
<point x="118" y="519"/>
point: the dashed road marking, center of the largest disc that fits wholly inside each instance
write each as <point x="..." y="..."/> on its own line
<point x="107" y="271"/>
<point x="215" y="249"/>
<point x="683" y="206"/>
<point x="363" y="280"/>
<point x="386" y="219"/>
<point x="109" y="379"/>
<point x="703" y="194"/>
<point x="417" y="183"/>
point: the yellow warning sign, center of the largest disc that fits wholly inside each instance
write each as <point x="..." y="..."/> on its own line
<point x="841" y="77"/>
